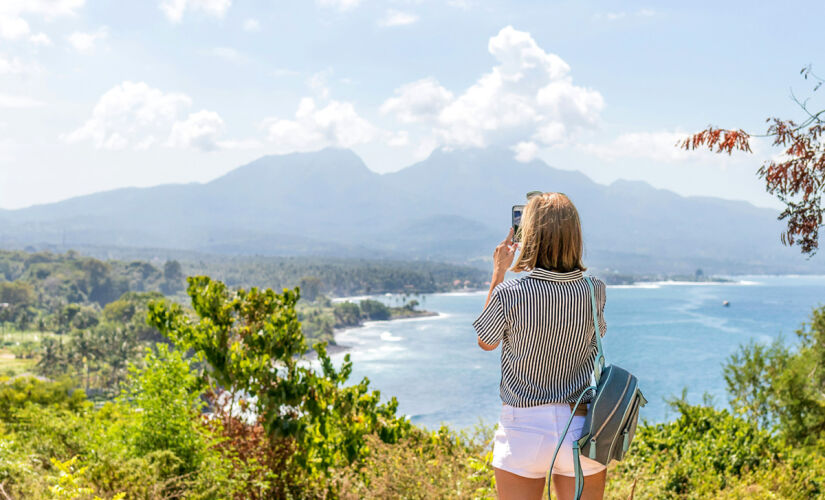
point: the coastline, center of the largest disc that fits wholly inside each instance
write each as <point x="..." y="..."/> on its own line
<point x="336" y="348"/>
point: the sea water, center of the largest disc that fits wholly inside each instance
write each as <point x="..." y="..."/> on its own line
<point x="673" y="336"/>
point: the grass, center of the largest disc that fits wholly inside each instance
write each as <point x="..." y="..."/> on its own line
<point x="11" y="366"/>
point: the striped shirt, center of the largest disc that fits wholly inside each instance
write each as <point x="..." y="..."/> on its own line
<point x="544" y="322"/>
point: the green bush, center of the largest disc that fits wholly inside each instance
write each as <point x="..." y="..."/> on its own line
<point x="251" y="343"/>
<point x="23" y="391"/>
<point x="374" y="310"/>
<point x="164" y="397"/>
<point x="711" y="453"/>
<point x="782" y="386"/>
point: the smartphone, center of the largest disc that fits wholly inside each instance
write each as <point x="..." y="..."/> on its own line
<point x="516" y="218"/>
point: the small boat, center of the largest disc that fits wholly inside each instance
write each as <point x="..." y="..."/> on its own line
<point x="726" y="303"/>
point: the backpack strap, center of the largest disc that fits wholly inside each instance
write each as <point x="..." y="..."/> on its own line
<point x="598" y="364"/>
<point x="598" y="367"/>
<point x="577" y="471"/>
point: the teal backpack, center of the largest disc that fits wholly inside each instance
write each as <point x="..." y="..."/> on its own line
<point x="613" y="414"/>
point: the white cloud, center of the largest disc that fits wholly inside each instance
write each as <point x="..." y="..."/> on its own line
<point x="662" y="147"/>
<point x="251" y="25"/>
<point x="398" y="139"/>
<point x="336" y="124"/>
<point x="85" y="42"/>
<point x="318" y="83"/>
<point x="40" y="39"/>
<point x="13" y="24"/>
<point x="526" y="151"/>
<point x="12" y="28"/>
<point x="397" y="18"/>
<point x="130" y="114"/>
<point x="658" y="146"/>
<point x="14" y="101"/>
<point x="16" y="66"/>
<point x="339" y="4"/>
<point x="175" y="9"/>
<point x="48" y="9"/>
<point x="528" y="97"/>
<point x="198" y="131"/>
<point x="135" y="115"/>
<point x="418" y="101"/>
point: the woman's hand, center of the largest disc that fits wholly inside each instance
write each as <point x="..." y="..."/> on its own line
<point x="503" y="256"/>
<point x="502" y="260"/>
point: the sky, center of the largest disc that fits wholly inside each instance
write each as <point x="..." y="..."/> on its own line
<point x="96" y="95"/>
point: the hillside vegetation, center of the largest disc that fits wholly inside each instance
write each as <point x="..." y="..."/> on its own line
<point x="152" y="397"/>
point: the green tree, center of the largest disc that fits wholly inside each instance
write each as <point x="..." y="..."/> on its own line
<point x="172" y="277"/>
<point x="310" y="287"/>
<point x="374" y="310"/>
<point x="17" y="293"/>
<point x="346" y="314"/>
<point x="782" y="386"/>
<point x="251" y="342"/>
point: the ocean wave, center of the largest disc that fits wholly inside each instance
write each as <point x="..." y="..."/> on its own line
<point x="636" y="285"/>
<point x="354" y="298"/>
<point x="389" y="337"/>
<point x="659" y="284"/>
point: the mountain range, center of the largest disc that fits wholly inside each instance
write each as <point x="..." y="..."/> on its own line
<point x="453" y="206"/>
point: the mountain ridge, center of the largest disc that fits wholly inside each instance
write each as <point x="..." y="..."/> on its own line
<point x="453" y="205"/>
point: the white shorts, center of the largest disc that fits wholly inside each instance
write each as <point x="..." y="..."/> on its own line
<point x="527" y="437"/>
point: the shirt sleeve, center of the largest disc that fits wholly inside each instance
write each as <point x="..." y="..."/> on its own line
<point x="601" y="299"/>
<point x="491" y="324"/>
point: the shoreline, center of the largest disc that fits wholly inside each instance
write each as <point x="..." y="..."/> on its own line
<point x="642" y="282"/>
<point x="333" y="349"/>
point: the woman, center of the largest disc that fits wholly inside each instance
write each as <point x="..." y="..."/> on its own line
<point x="544" y="323"/>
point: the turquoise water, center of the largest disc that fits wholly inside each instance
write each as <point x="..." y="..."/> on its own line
<point x="672" y="336"/>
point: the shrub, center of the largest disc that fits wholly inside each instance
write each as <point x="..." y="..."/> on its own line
<point x="374" y="310"/>
<point x="711" y="453"/>
<point x="252" y="344"/>
<point x="165" y="398"/>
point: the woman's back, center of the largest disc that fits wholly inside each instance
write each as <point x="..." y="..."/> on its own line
<point x="544" y="324"/>
<point x="544" y="321"/>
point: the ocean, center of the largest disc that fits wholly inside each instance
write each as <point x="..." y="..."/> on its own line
<point x="673" y="336"/>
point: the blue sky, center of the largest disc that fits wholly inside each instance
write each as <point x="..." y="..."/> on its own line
<point x="97" y="94"/>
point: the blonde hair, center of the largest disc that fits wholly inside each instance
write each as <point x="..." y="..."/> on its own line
<point x="550" y="234"/>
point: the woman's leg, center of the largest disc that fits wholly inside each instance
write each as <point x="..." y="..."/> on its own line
<point x="564" y="486"/>
<point x="514" y="487"/>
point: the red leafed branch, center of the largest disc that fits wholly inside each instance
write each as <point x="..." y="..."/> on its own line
<point x="719" y="140"/>
<point x="796" y="178"/>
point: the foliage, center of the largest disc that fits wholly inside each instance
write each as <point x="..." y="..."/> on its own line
<point x="711" y="453"/>
<point x="251" y="342"/>
<point x="425" y="464"/>
<point x="374" y="310"/>
<point x="165" y="398"/>
<point x="284" y="427"/>
<point x="336" y="277"/>
<point x="24" y="391"/>
<point x="784" y="387"/>
<point x="797" y="178"/>
<point x="99" y="346"/>
<point x="70" y="482"/>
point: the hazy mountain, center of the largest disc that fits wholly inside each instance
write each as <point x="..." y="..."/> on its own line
<point x="451" y="206"/>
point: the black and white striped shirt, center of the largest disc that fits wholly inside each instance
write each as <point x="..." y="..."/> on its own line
<point x="544" y="321"/>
